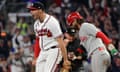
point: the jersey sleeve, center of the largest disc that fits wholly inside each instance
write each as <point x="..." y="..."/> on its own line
<point x="90" y="29"/>
<point x="36" y="44"/>
<point x="36" y="48"/>
<point x="55" y="28"/>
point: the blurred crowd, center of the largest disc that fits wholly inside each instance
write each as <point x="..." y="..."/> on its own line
<point x="17" y="39"/>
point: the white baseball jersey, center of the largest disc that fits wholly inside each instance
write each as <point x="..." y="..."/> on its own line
<point x="47" y="31"/>
<point x="87" y="34"/>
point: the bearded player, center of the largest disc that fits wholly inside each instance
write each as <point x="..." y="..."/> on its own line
<point x="94" y="41"/>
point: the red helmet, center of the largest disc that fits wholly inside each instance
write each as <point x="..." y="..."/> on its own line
<point x="72" y="16"/>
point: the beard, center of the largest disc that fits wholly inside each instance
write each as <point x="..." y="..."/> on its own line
<point x="76" y="27"/>
<point x="35" y="17"/>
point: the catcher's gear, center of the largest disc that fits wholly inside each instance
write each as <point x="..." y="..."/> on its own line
<point x="72" y="16"/>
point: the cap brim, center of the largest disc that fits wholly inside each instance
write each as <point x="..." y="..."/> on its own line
<point x="31" y="8"/>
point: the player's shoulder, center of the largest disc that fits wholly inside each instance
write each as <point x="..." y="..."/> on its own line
<point x="86" y="24"/>
<point x="53" y="19"/>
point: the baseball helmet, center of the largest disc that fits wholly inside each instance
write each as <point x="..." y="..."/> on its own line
<point x="35" y="6"/>
<point x="71" y="31"/>
<point x="72" y="16"/>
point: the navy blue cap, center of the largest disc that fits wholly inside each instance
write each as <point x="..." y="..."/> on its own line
<point x="36" y="5"/>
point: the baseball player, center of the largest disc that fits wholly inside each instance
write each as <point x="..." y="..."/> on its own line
<point x="48" y="38"/>
<point x="94" y="41"/>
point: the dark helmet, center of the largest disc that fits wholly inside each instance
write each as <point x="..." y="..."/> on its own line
<point x="71" y="31"/>
<point x="36" y="5"/>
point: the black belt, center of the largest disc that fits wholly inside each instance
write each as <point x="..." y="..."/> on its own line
<point x="53" y="47"/>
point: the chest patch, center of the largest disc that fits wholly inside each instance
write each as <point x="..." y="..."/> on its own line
<point x="44" y="32"/>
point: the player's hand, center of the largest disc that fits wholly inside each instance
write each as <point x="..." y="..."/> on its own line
<point x="67" y="64"/>
<point x="34" y="62"/>
<point x="114" y="52"/>
<point x="79" y="57"/>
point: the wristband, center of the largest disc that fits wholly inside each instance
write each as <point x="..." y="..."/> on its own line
<point x="114" y="51"/>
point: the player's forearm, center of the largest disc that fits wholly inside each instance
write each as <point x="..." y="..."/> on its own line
<point x="108" y="42"/>
<point x="64" y="52"/>
<point x="62" y="47"/>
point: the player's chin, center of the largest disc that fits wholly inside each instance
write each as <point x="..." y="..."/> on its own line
<point x="75" y="27"/>
<point x="35" y="17"/>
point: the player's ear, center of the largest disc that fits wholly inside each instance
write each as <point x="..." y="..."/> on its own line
<point x="40" y="10"/>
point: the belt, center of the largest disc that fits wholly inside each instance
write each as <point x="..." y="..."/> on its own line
<point x="99" y="48"/>
<point x="53" y="47"/>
